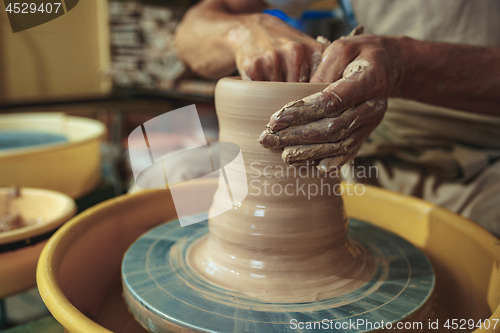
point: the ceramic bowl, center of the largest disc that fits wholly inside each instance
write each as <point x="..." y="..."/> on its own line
<point x="79" y="270"/>
<point x="20" y="248"/>
<point x="72" y="167"/>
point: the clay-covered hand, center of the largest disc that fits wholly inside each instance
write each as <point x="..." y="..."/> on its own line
<point x="331" y="125"/>
<point x="267" y="49"/>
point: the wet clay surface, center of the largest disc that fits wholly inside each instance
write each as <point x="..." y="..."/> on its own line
<point x="286" y="241"/>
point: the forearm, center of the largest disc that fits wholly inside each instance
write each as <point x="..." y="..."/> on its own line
<point x="450" y="75"/>
<point x="203" y="39"/>
<point x="363" y="71"/>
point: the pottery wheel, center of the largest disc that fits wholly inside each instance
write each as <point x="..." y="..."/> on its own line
<point x="164" y="294"/>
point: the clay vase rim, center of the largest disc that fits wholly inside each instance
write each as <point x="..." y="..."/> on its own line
<point x="238" y="78"/>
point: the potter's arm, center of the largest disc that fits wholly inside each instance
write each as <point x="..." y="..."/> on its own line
<point x="216" y="37"/>
<point x="203" y="38"/>
<point x="365" y="70"/>
<point x="451" y="75"/>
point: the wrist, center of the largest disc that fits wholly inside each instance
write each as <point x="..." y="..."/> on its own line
<point x="400" y="50"/>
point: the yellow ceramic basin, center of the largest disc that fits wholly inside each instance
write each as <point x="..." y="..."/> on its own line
<point x="79" y="270"/>
<point x="18" y="267"/>
<point x="72" y="167"/>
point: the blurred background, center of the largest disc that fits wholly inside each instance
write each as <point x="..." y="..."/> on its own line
<point x="113" y="63"/>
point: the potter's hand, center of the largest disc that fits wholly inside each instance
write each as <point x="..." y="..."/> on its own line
<point x="268" y="49"/>
<point x="216" y="37"/>
<point x="332" y="125"/>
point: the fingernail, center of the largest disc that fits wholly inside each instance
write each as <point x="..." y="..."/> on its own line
<point x="283" y="117"/>
<point x="277" y="123"/>
<point x="294" y="154"/>
<point x="316" y="79"/>
<point x="288" y="155"/>
<point x="304" y="72"/>
<point x="268" y="140"/>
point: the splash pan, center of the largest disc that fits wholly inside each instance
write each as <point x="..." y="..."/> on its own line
<point x="79" y="269"/>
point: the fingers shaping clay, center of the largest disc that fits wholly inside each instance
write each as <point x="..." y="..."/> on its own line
<point x="286" y="242"/>
<point x="281" y="253"/>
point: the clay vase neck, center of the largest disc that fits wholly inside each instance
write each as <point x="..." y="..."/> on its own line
<point x="286" y="241"/>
